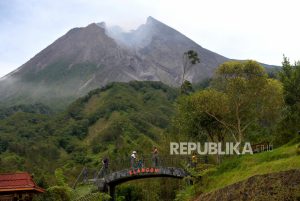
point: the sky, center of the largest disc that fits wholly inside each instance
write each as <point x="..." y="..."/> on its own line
<point x="262" y="30"/>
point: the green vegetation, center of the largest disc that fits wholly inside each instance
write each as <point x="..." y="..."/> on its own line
<point x="111" y="121"/>
<point x="239" y="103"/>
<point x="241" y="97"/>
<point x="243" y="104"/>
<point x="56" y="86"/>
<point x="37" y="108"/>
<point x="189" y="59"/>
<point x="239" y="168"/>
<point x="290" y="77"/>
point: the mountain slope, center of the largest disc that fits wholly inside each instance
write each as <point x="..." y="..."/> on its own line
<point x="90" y="57"/>
<point x="277" y="186"/>
<point x="249" y="177"/>
<point x="111" y="121"/>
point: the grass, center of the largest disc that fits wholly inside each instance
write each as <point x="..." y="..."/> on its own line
<point x="88" y="192"/>
<point x="95" y="129"/>
<point x="242" y="167"/>
<point x="94" y="102"/>
<point x="82" y="190"/>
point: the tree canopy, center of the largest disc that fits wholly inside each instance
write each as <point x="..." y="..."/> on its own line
<point x="240" y="96"/>
<point x="189" y="59"/>
<point x="290" y="78"/>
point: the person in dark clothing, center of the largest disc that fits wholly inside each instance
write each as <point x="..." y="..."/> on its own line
<point x="105" y="162"/>
<point x="85" y="174"/>
<point x="155" y="156"/>
<point x="105" y="165"/>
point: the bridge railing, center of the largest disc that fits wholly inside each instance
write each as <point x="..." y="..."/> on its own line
<point x="121" y="163"/>
<point x="149" y="161"/>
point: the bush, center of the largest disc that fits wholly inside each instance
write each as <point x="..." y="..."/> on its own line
<point x="60" y="178"/>
<point x="229" y="165"/>
<point x="129" y="192"/>
<point x="96" y="148"/>
<point x="95" y="197"/>
<point x="56" y="193"/>
<point x="3" y="145"/>
<point x="81" y="158"/>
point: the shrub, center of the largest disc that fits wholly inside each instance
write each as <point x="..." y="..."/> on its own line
<point x="56" y="193"/>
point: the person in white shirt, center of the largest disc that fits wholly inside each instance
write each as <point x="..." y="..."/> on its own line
<point x="132" y="159"/>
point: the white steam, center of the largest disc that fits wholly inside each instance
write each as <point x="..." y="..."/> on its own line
<point x="137" y="38"/>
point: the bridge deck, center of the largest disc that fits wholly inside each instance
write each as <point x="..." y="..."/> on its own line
<point x="140" y="173"/>
<point x="119" y="170"/>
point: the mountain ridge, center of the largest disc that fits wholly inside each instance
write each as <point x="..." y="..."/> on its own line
<point x="91" y="57"/>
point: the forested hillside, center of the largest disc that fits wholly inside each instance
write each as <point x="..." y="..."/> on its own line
<point x="111" y="121"/>
<point x="241" y="103"/>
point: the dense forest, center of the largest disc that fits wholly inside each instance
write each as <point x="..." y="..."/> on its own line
<point x="242" y="102"/>
<point x="111" y="121"/>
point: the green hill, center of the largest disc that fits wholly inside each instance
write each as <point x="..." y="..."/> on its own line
<point x="240" y="168"/>
<point x="111" y="121"/>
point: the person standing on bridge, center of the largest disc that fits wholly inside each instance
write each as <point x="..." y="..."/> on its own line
<point x="155" y="156"/>
<point x="85" y="174"/>
<point x="194" y="160"/>
<point x="133" y="159"/>
<point x="105" y="163"/>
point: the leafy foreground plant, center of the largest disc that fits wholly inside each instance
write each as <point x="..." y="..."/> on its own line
<point x="94" y="197"/>
<point x="241" y="169"/>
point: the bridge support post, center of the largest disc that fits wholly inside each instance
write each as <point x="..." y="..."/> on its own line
<point x="112" y="189"/>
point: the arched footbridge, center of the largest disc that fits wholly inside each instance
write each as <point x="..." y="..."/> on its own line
<point x="110" y="181"/>
<point x="119" y="172"/>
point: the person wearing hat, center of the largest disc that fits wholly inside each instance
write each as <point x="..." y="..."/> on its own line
<point x="132" y="159"/>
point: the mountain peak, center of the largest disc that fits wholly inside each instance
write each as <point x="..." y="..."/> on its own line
<point x="89" y="57"/>
<point x="151" y="20"/>
<point x="102" y="25"/>
<point x="95" y="26"/>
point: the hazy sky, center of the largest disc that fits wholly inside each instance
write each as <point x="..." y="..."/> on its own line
<point x="263" y="30"/>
